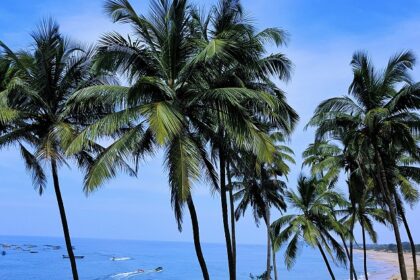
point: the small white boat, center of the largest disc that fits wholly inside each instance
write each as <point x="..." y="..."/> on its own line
<point x="119" y="259"/>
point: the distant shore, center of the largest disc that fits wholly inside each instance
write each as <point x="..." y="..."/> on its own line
<point x="392" y="259"/>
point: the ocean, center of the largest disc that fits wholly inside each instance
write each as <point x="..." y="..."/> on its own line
<point x="35" y="258"/>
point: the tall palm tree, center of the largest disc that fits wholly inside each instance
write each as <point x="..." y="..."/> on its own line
<point x="156" y="110"/>
<point x="247" y="65"/>
<point x="405" y="176"/>
<point x="258" y="186"/>
<point x="312" y="222"/>
<point x="171" y="102"/>
<point x="33" y="107"/>
<point x="381" y="115"/>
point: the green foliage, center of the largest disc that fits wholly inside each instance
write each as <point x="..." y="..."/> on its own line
<point x="313" y="223"/>
<point x="200" y="88"/>
<point x="191" y="76"/>
<point x="391" y="247"/>
<point x="377" y="125"/>
<point x="258" y="184"/>
<point x="35" y="89"/>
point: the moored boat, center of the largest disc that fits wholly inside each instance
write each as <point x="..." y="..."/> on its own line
<point x="76" y="257"/>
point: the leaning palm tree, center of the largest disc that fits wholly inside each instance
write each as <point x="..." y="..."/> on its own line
<point x="33" y="107"/>
<point x="381" y="116"/>
<point x="259" y="186"/>
<point x="312" y="223"/>
<point x="327" y="160"/>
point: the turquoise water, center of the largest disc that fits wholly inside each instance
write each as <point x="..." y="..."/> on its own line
<point x="177" y="259"/>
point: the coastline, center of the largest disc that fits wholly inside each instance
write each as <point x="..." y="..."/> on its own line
<point x="392" y="260"/>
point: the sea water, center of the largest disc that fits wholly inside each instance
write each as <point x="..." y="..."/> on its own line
<point x="35" y="258"/>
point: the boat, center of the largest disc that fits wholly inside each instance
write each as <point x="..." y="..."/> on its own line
<point x="76" y="257"/>
<point x="53" y="247"/>
<point x="139" y="271"/>
<point x="115" y="259"/>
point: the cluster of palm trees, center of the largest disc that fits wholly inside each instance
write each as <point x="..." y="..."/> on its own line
<point x="371" y="135"/>
<point x="200" y="88"/>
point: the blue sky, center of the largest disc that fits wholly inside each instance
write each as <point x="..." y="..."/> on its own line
<point x="324" y="35"/>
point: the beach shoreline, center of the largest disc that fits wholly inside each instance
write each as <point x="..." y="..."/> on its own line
<point x="391" y="259"/>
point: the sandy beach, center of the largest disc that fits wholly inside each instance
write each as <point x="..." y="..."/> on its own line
<point x="392" y="259"/>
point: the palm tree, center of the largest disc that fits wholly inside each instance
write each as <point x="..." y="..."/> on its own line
<point x="326" y="160"/>
<point x="33" y="107"/>
<point x="259" y="187"/>
<point x="404" y="176"/>
<point x="312" y="222"/>
<point x="160" y="107"/>
<point x="246" y="65"/>
<point x="174" y="101"/>
<point x="171" y="102"/>
<point x="401" y="213"/>
<point x="367" y="208"/>
<point x="381" y="115"/>
<point x="364" y="210"/>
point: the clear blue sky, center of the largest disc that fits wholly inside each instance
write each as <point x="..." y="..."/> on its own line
<point x="324" y="34"/>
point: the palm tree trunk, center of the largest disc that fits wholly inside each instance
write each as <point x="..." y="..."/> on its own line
<point x="268" y="269"/>
<point x="364" y="250"/>
<point x="383" y="183"/>
<point x="400" y="251"/>
<point x="352" y="270"/>
<point x="196" y="233"/>
<point x="232" y="216"/>
<point x="412" y="245"/>
<point x="232" y="272"/>
<point x="276" y="277"/>
<point x="64" y="219"/>
<point x="354" y="274"/>
<point x="346" y="248"/>
<point x="410" y="238"/>
<point x="326" y="261"/>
